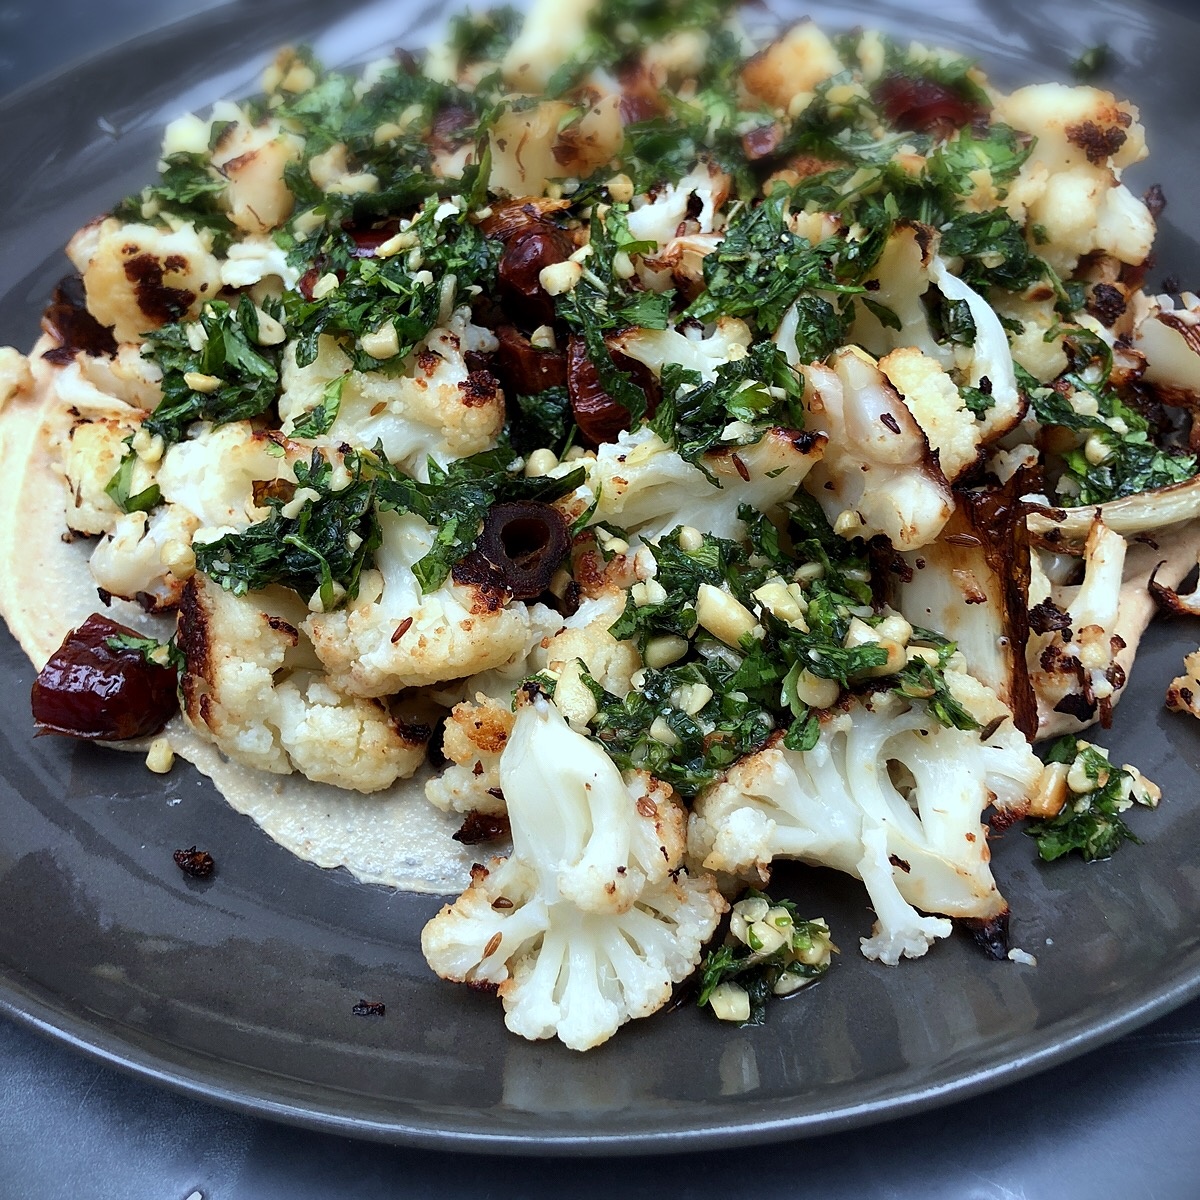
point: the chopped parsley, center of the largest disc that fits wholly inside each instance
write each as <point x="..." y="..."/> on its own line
<point x="770" y="951"/>
<point x="1090" y="821"/>
<point x="229" y="378"/>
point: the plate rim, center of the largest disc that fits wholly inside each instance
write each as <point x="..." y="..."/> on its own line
<point x="184" y="1071"/>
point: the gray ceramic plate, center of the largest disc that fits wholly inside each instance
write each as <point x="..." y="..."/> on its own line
<point x="240" y="991"/>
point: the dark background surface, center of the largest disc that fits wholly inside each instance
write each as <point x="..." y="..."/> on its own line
<point x="1121" y="1121"/>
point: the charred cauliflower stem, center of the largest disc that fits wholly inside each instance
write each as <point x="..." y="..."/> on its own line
<point x="737" y="449"/>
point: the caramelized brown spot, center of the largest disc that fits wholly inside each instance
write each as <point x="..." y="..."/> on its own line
<point x="1098" y="144"/>
<point x="484" y="827"/>
<point x="160" y="303"/>
<point x="67" y="319"/>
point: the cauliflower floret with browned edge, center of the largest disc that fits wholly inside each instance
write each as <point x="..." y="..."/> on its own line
<point x="246" y="688"/>
<point x="139" y="278"/>
<point x="127" y="376"/>
<point x="1184" y="693"/>
<point x="91" y="456"/>
<point x="146" y="557"/>
<point x="251" y="156"/>
<point x="788" y="71"/>
<point x="552" y="140"/>
<point x="393" y="637"/>
<point x="478" y="729"/>
<point x="435" y="407"/>
<point x="213" y="475"/>
<point x="877" y="474"/>
<point x="889" y="795"/>
<point x="476" y="732"/>
<point x="1070" y="185"/>
<point x="592" y="919"/>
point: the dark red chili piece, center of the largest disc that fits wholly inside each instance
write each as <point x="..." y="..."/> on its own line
<point x="89" y="689"/>
<point x="598" y="415"/>
<point x="522" y="261"/>
<point x="525" y="369"/>
<point x="924" y="105"/>
<point x="198" y="864"/>
<point x="525" y="541"/>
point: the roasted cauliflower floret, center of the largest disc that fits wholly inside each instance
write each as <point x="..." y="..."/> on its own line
<point x="877" y="474"/>
<point x="476" y="733"/>
<point x="477" y="730"/>
<point x="139" y="278"/>
<point x="392" y="637"/>
<point x="646" y="487"/>
<point x="91" y="455"/>
<point x="253" y="159"/>
<point x="246" y="687"/>
<point x="1073" y="666"/>
<point x="435" y="406"/>
<point x="791" y="66"/>
<point x="1184" y="693"/>
<point x="888" y="795"/>
<point x="1070" y="185"/>
<point x="213" y="474"/>
<point x="592" y="919"/>
<point x="146" y="557"/>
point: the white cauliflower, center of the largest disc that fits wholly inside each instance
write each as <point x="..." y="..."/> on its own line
<point x="1169" y="337"/>
<point x="726" y="342"/>
<point x="253" y="159"/>
<point x="139" y="278"/>
<point x="1074" y="669"/>
<point x="787" y="72"/>
<point x="146" y="557"/>
<point x="902" y="274"/>
<point x="1070" y="184"/>
<point x="646" y="487"/>
<point x="591" y="921"/>
<point x="248" y="687"/>
<point x="1184" y="693"/>
<point x="435" y="406"/>
<point x="888" y="795"/>
<point x="392" y="637"/>
<point x="212" y="475"/>
<point x="476" y="732"/>
<point x="552" y="140"/>
<point x="91" y="455"/>
<point x="550" y="36"/>
<point x="477" y="729"/>
<point x="877" y="474"/>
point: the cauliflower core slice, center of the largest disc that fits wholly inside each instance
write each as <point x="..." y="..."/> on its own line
<point x="242" y="691"/>
<point x="592" y="920"/>
<point x="841" y="805"/>
<point x="393" y="637"/>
